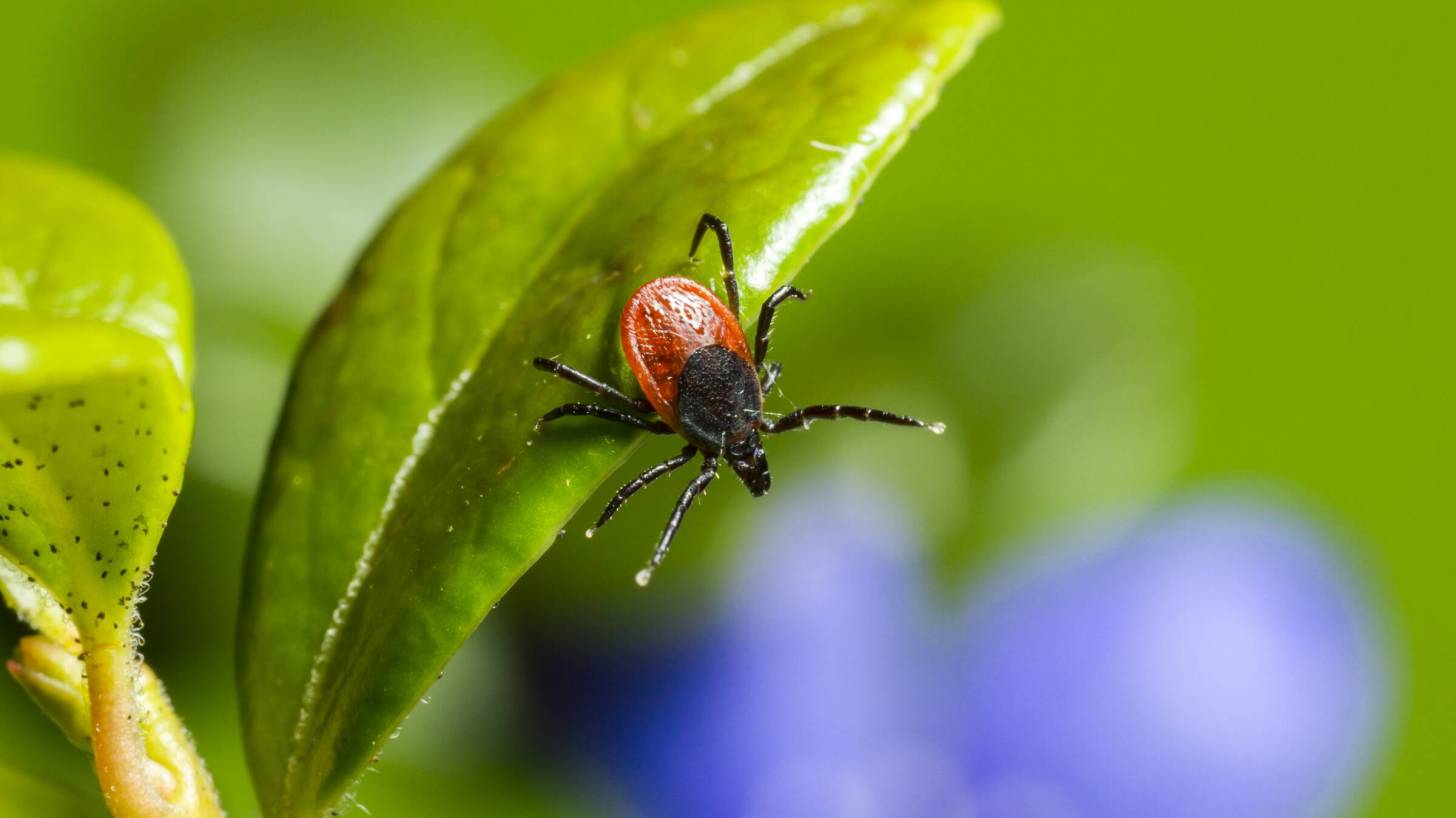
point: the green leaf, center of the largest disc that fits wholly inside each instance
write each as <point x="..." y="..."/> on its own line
<point x="95" y="423"/>
<point x="406" y="492"/>
<point x="95" y="413"/>
<point x="27" y="796"/>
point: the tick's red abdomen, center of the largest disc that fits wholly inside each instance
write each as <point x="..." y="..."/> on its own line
<point x="664" y="322"/>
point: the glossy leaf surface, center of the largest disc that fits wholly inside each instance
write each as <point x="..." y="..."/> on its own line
<point x="406" y="491"/>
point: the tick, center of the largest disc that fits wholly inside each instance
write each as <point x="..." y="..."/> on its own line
<point x="691" y="359"/>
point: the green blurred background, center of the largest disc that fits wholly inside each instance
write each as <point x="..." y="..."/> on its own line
<point x="1140" y="245"/>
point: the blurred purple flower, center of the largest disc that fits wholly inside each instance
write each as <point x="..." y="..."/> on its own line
<point x="1213" y="660"/>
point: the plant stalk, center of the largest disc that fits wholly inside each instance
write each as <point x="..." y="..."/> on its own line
<point x="145" y="761"/>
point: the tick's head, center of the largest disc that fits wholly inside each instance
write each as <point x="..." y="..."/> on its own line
<point x="750" y="463"/>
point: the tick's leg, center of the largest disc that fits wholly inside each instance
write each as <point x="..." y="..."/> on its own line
<point x="586" y="381"/>
<point x="641" y="480"/>
<point x="710" y="470"/>
<point x="725" y="249"/>
<point x="605" y="413"/>
<point x="766" y="317"/>
<point x="771" y="372"/>
<point x="801" y="418"/>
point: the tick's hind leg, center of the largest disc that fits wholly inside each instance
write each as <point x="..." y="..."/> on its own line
<point x="710" y="470"/>
<point x="586" y="381"/>
<point x="605" y="413"/>
<point x="801" y="418"/>
<point x="640" y="481"/>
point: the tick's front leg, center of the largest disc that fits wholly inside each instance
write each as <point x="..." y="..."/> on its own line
<point x="710" y="470"/>
<point x="801" y="418"/>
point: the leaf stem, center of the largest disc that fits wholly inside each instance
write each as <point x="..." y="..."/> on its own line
<point x="144" y="758"/>
<point x="127" y="781"/>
